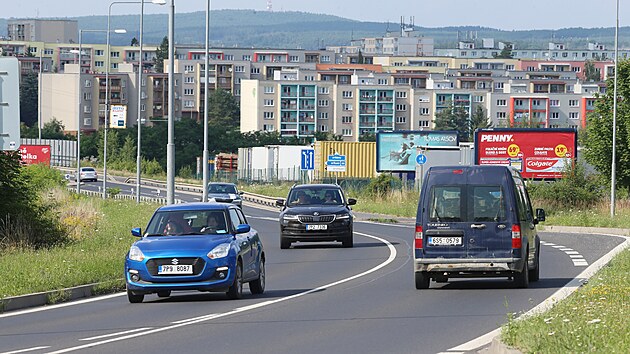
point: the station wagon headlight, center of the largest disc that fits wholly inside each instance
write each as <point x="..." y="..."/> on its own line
<point x="343" y="216"/>
<point x="288" y="217"/>
<point x="135" y="254"/>
<point x="219" y="251"/>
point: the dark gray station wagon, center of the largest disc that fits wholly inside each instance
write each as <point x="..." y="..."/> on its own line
<point x="475" y="221"/>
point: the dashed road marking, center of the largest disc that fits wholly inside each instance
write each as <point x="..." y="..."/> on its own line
<point x="576" y="257"/>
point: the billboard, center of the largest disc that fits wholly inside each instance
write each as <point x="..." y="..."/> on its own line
<point x="118" y="116"/>
<point x="33" y="154"/>
<point x="396" y="150"/>
<point x="536" y="153"/>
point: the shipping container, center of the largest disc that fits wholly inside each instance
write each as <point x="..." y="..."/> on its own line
<point x="360" y="159"/>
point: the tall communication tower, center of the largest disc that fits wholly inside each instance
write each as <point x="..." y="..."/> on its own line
<point x="269" y="6"/>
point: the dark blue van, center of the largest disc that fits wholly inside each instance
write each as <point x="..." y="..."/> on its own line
<point x="475" y="221"/>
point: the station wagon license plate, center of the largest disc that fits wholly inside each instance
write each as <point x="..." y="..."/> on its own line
<point x="445" y="241"/>
<point x="175" y="269"/>
<point x="316" y="227"/>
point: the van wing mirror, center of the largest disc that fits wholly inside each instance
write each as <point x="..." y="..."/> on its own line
<point x="540" y="214"/>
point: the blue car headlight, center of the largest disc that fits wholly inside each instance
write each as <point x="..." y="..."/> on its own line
<point x="219" y="251"/>
<point x="135" y="254"/>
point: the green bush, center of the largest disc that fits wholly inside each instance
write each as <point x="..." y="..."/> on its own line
<point x="43" y="177"/>
<point x="575" y="190"/>
<point x="383" y="184"/>
<point x="152" y="168"/>
<point x="185" y="172"/>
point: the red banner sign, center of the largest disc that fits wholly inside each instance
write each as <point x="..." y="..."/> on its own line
<point x="32" y="154"/>
<point x="536" y="153"/>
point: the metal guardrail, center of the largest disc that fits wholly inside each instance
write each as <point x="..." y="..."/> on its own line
<point x="125" y="196"/>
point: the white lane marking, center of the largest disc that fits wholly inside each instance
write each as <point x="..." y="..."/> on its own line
<point x="65" y="304"/>
<point x="566" y="249"/>
<point x="261" y="218"/>
<point x="579" y="263"/>
<point x="547" y="243"/>
<point x="392" y="256"/>
<point x="571" y="252"/>
<point x="557" y="246"/>
<point x="25" y="350"/>
<point x="204" y="317"/>
<point x="576" y="256"/>
<point x="556" y="297"/>
<point x="117" y="333"/>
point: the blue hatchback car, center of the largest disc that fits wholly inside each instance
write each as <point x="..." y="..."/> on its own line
<point x="195" y="246"/>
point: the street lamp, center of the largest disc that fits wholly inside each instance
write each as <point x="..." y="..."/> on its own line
<point x="78" y="176"/>
<point x="170" y="146"/>
<point x="109" y="14"/>
<point x="205" y="109"/>
<point x="614" y="127"/>
<point x="39" y="103"/>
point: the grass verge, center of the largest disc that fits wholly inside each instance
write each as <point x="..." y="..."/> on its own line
<point x="593" y="319"/>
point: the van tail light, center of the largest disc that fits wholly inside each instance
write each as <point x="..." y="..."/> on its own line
<point x="418" y="241"/>
<point x="516" y="236"/>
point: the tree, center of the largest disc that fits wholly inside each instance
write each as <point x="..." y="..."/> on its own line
<point x="224" y="110"/>
<point x="54" y="130"/>
<point x="590" y="72"/>
<point x="598" y="138"/>
<point x="134" y="42"/>
<point x="479" y="120"/>
<point x="29" y="99"/>
<point x="506" y="52"/>
<point x="367" y="136"/>
<point x="454" y="117"/>
<point x="327" y="136"/>
<point x="160" y="54"/>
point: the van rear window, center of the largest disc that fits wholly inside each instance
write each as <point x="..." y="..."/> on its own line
<point x="469" y="203"/>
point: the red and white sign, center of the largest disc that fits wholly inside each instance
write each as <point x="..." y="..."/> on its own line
<point x="33" y="154"/>
<point x="536" y="153"/>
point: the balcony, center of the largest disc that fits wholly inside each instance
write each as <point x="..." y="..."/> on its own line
<point x="385" y="98"/>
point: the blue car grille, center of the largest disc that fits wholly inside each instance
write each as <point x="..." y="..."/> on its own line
<point x="197" y="263"/>
<point x="310" y="218"/>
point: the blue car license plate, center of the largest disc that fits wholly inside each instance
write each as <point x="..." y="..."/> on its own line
<point x="175" y="269"/>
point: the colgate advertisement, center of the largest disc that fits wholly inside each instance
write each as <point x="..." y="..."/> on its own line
<point x="536" y="153"/>
<point x="33" y="154"/>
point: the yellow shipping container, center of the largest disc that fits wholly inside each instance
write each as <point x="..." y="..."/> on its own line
<point x="360" y="158"/>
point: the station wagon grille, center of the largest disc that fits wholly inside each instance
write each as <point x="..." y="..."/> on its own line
<point x="311" y="218"/>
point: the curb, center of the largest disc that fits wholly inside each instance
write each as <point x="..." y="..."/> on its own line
<point x="47" y="298"/>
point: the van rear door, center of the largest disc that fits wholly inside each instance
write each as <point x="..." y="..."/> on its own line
<point x="490" y="233"/>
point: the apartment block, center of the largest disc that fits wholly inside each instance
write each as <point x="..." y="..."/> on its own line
<point x="54" y="31"/>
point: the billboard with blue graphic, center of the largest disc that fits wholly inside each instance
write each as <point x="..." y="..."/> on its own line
<point x="396" y="150"/>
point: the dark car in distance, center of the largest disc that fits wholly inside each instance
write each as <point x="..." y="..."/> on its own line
<point x="314" y="213"/>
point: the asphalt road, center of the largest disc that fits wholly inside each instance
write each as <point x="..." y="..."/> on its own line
<point x="320" y="298"/>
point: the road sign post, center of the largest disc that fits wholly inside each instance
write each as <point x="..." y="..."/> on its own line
<point x="9" y="103"/>
<point x="336" y="163"/>
<point x="421" y="159"/>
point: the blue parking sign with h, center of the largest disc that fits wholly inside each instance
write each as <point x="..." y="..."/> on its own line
<point x="308" y="160"/>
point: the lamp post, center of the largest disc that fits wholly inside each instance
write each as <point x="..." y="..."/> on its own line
<point x="107" y="98"/>
<point x="205" y="108"/>
<point x="39" y="103"/>
<point x="78" y="178"/>
<point x="614" y="127"/>
<point x="170" y="146"/>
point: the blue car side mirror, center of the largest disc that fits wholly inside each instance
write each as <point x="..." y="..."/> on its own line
<point x="242" y="228"/>
<point x="136" y="232"/>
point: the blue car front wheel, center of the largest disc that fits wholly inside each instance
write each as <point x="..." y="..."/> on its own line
<point x="236" y="289"/>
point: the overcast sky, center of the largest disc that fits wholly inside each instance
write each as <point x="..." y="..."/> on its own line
<point x="502" y="14"/>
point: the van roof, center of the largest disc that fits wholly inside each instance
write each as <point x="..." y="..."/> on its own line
<point x="477" y="174"/>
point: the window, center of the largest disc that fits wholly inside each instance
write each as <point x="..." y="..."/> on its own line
<point x="255" y="70"/>
<point x="401" y="119"/>
<point x="347" y="94"/>
<point x="88" y="83"/>
<point x="509" y="67"/>
<point x="324" y="90"/>
<point x="189" y="92"/>
<point x="87" y="109"/>
<point x="114" y="65"/>
<point x="189" y="80"/>
<point x="309" y="78"/>
<point x="554" y="103"/>
<point x="423" y="123"/>
<point x="143" y="107"/>
<point x="189" y="103"/>
<point x="323" y="128"/>
<point x="554" y="115"/>
<point x="346" y="119"/>
<point x="501" y="102"/>
<point x="424" y="111"/>
<point x="322" y="103"/>
<point x="239" y="68"/>
<point x="573" y="103"/>
<point x="401" y="94"/>
<point x="401" y="107"/>
<point x="477" y="98"/>
<point x="115" y="54"/>
<point x="501" y="115"/>
<point x="574" y="115"/>
<point x="99" y="64"/>
<point x="87" y="96"/>
<point x="346" y="107"/>
<point x="269" y="89"/>
<point x="323" y="115"/>
<point x="229" y="57"/>
<point x="325" y="58"/>
<point x="247" y="58"/>
<point x="346" y="132"/>
<point x="423" y="99"/>
<point x="99" y="52"/>
<point x="294" y="58"/>
<point x="268" y="127"/>
<point x="536" y="102"/>
<point x="518" y="102"/>
<point x="382" y="82"/>
<point x="268" y="103"/>
<point x="498" y="85"/>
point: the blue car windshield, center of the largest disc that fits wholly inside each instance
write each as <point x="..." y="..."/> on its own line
<point x="195" y="222"/>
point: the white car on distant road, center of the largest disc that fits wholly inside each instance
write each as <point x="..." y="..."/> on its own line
<point x="88" y="174"/>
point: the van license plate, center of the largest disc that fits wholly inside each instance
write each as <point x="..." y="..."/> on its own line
<point x="316" y="227"/>
<point x="445" y="241"/>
